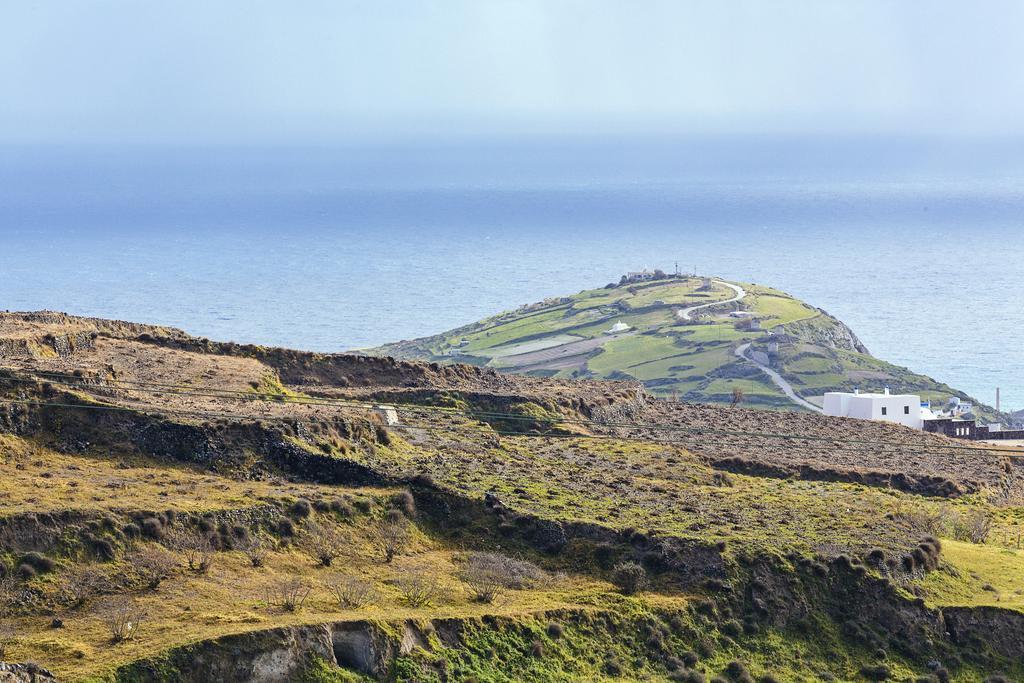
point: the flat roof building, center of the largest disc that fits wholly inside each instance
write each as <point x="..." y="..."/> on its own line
<point x="904" y="409"/>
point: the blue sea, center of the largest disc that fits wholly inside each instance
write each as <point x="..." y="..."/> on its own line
<point x="914" y="242"/>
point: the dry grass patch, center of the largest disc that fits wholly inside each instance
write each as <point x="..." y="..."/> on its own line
<point x="36" y="478"/>
<point x="233" y="595"/>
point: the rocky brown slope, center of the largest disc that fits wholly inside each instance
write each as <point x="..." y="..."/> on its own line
<point x="165" y="369"/>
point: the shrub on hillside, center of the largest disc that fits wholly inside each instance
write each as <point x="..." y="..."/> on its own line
<point x="196" y="547"/>
<point x="39" y="562"/>
<point x="405" y="502"/>
<point x="342" y="508"/>
<point x="323" y="542"/>
<point x="255" y="548"/>
<point x="487" y="574"/>
<point x="629" y="577"/>
<point x="152" y="528"/>
<point x="288" y="595"/>
<point x="392" y="537"/>
<point x="285" y="527"/>
<point x="84" y="584"/>
<point x="151" y="566"/>
<point x="420" y="589"/>
<point x="972" y="527"/>
<point x="875" y="672"/>
<point x="353" y="592"/>
<point x="301" y="509"/>
<point x="925" y="519"/>
<point x="737" y="671"/>
<point x="604" y="555"/>
<point x="123" y="618"/>
<point x="131" y="531"/>
<point x="424" y="480"/>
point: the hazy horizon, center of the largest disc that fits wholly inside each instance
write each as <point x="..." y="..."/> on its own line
<point x="115" y="71"/>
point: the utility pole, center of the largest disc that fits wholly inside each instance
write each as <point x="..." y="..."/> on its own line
<point x="997" y="399"/>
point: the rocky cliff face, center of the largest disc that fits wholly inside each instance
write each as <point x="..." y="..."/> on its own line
<point x="24" y="673"/>
<point x="826" y="331"/>
<point x="282" y="654"/>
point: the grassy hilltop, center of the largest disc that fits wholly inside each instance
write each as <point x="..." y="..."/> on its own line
<point x="693" y="357"/>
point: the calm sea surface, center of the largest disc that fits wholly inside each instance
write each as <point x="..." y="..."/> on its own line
<point x="916" y="244"/>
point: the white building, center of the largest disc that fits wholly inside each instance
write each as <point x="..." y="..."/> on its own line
<point x="617" y="328"/>
<point x="640" y="275"/>
<point x="388" y="414"/>
<point x="904" y="409"/>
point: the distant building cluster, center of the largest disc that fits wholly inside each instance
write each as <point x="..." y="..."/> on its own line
<point x="956" y="419"/>
<point x="646" y="275"/>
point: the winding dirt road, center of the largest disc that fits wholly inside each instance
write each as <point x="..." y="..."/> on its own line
<point x="780" y="382"/>
<point x="685" y="313"/>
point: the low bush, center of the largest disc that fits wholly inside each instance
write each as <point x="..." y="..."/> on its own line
<point x="629" y="577"/>
<point x="301" y="509"/>
<point x="424" y="480"/>
<point x="392" y="537"/>
<point x="323" y="542"/>
<point x="342" y="508"/>
<point x="405" y="503"/>
<point x="353" y="592"/>
<point x="972" y="527"/>
<point x="152" y="528"/>
<point x="737" y="671"/>
<point x="196" y="547"/>
<point x="123" y="618"/>
<point x="26" y="572"/>
<point x="604" y="555"/>
<point x="876" y="672"/>
<point x="732" y="628"/>
<point x="41" y="563"/>
<point x="419" y="589"/>
<point x="289" y="595"/>
<point x="613" y="667"/>
<point x="487" y="574"/>
<point x="151" y="566"/>
<point x="84" y="584"/>
<point x="255" y="548"/>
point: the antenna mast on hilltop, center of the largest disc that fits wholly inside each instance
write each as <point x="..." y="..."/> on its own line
<point x="677" y="268"/>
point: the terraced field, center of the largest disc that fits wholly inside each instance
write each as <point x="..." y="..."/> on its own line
<point x="638" y="332"/>
<point x="175" y="509"/>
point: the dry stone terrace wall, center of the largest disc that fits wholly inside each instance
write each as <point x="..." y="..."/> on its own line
<point x="835" y="449"/>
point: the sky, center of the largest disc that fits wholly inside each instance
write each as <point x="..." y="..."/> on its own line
<point x="138" y="71"/>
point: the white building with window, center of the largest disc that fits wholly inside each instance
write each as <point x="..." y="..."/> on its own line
<point x="904" y="409"/>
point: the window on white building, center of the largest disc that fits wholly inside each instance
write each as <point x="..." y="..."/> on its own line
<point x="906" y="410"/>
<point x="885" y="411"/>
